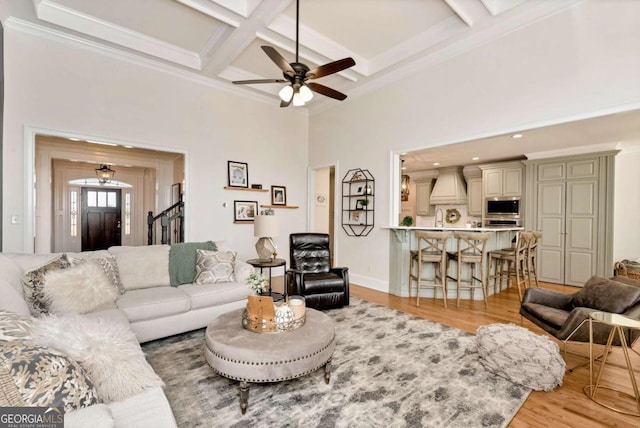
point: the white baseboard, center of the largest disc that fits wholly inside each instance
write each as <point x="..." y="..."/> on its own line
<point x="367" y="282"/>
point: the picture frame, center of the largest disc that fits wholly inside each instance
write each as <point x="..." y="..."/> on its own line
<point x="278" y="195"/>
<point x="361" y="204"/>
<point x="355" y="217"/>
<point x="244" y="211"/>
<point x="238" y="174"/>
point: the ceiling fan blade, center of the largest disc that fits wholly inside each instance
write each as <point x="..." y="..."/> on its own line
<point x="325" y="90"/>
<point x="330" y="68"/>
<point x="249" y="82"/>
<point x="278" y="60"/>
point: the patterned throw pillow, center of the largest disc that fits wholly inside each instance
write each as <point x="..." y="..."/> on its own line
<point x="214" y="266"/>
<point x="33" y="284"/>
<point x="14" y="326"/>
<point x="44" y="377"/>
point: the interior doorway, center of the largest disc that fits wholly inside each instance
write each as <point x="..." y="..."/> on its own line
<point x="323" y="205"/>
<point x="101" y="222"/>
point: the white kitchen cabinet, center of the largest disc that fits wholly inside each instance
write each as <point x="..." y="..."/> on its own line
<point x="423" y="195"/>
<point x="571" y="204"/>
<point x="474" y="196"/>
<point x="502" y="179"/>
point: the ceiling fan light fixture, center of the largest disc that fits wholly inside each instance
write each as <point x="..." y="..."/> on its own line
<point x="286" y="93"/>
<point x="306" y="93"/>
<point x="298" y="100"/>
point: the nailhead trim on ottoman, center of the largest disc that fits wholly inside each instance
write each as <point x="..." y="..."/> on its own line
<point x="520" y="356"/>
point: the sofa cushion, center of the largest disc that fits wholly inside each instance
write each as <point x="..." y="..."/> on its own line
<point x="208" y="295"/>
<point x="44" y="377"/>
<point x="214" y="266"/>
<point x="606" y="295"/>
<point x="33" y="285"/>
<point x="552" y="316"/>
<point x="80" y="288"/>
<point x="12" y="300"/>
<point x="182" y="261"/>
<point x="142" y="267"/>
<point x="152" y="303"/>
<point x="108" y="351"/>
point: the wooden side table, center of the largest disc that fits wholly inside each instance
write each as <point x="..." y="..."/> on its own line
<point x="618" y="323"/>
<point x="270" y="264"/>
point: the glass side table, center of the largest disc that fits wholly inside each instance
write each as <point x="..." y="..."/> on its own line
<point x="618" y="324"/>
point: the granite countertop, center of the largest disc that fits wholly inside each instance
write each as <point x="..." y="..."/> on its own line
<point x="470" y="229"/>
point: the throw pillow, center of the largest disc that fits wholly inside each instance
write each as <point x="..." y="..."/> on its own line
<point x="110" y="267"/>
<point x="182" y="261"/>
<point x="45" y="377"/>
<point x="107" y="350"/>
<point x="214" y="266"/>
<point x="606" y="295"/>
<point x="14" y="326"/>
<point x="80" y="288"/>
<point x="142" y="267"/>
<point x="33" y="285"/>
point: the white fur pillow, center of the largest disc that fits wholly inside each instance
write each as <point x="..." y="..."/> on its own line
<point x="108" y="351"/>
<point x="80" y="288"/>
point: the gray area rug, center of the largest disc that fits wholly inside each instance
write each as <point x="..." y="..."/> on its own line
<point x="390" y="369"/>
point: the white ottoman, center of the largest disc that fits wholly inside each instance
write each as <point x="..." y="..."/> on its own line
<point x="520" y="356"/>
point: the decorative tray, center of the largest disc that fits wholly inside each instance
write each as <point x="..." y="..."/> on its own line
<point x="265" y="326"/>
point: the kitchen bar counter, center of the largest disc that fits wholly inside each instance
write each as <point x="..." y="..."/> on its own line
<point x="403" y="240"/>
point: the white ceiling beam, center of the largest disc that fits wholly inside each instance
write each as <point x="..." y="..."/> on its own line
<point x="469" y="11"/>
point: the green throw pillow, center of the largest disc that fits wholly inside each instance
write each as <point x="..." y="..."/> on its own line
<point x="182" y="261"/>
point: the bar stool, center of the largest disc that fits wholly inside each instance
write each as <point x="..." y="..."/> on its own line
<point x="532" y="256"/>
<point x="431" y="249"/>
<point x="472" y="249"/>
<point x="516" y="259"/>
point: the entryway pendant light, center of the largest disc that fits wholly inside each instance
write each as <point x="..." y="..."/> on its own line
<point x="404" y="186"/>
<point x="105" y="173"/>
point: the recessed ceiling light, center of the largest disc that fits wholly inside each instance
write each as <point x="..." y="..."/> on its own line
<point x="516" y="136"/>
<point x="101" y="143"/>
<point x="436" y="163"/>
<point x="476" y="158"/>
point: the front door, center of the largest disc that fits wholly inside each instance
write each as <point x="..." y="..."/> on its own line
<point x="100" y="218"/>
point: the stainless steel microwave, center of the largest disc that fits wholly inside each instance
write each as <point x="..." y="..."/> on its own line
<point x="503" y="207"/>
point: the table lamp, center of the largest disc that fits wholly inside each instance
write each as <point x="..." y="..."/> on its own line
<point x="266" y="227"/>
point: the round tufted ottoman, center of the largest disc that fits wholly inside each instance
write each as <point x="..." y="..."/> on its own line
<point x="520" y="356"/>
<point x="250" y="357"/>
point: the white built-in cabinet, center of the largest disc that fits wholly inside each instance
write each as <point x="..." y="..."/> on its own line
<point x="423" y="196"/>
<point x="503" y="179"/>
<point x="570" y="201"/>
<point x="474" y="196"/>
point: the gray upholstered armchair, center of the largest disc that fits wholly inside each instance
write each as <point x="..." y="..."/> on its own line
<point x="564" y="315"/>
<point x="311" y="274"/>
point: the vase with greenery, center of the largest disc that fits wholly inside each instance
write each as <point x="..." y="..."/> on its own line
<point x="257" y="281"/>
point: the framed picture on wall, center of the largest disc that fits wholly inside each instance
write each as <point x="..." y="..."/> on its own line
<point x="238" y="174"/>
<point x="278" y="195"/>
<point x="244" y="211"/>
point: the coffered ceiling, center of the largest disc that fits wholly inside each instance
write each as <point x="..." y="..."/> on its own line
<point x="219" y="40"/>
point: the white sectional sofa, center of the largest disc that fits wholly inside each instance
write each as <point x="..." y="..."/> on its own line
<point x="148" y="305"/>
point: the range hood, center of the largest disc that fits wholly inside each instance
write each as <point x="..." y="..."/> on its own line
<point x="450" y="187"/>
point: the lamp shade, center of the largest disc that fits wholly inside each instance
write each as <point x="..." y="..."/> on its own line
<point x="266" y="226"/>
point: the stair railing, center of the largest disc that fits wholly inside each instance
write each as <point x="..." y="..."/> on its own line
<point x="171" y="218"/>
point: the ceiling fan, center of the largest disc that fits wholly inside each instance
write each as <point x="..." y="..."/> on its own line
<point x="297" y="74"/>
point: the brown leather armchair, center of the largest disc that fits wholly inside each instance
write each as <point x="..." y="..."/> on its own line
<point x="311" y="274"/>
<point x="564" y="316"/>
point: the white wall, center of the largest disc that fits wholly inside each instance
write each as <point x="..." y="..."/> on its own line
<point x="321" y="210"/>
<point x="627" y="205"/>
<point x="576" y="63"/>
<point x="56" y="86"/>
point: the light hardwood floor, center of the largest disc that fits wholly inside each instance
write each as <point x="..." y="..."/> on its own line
<point x="567" y="405"/>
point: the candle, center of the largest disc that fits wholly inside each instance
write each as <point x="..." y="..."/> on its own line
<point x="296" y="303"/>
